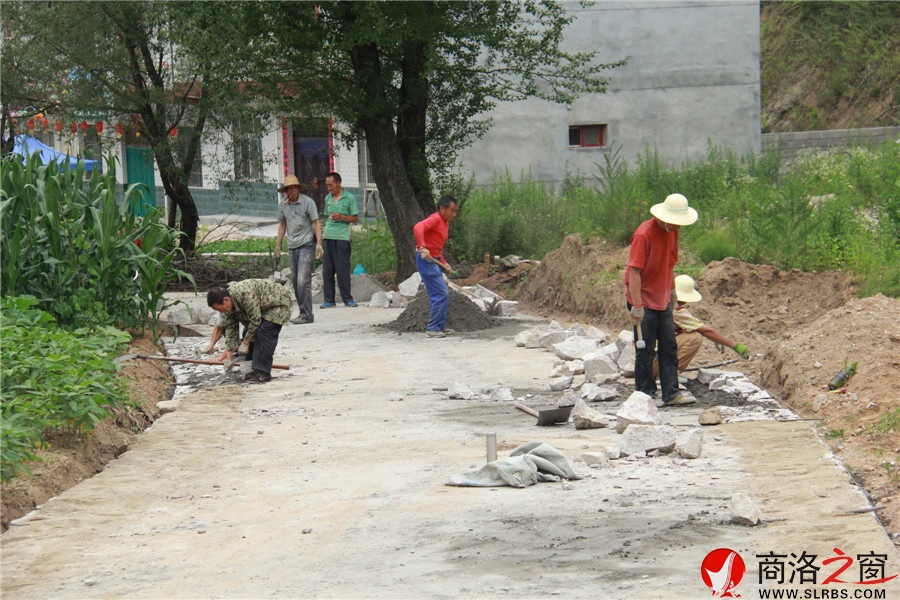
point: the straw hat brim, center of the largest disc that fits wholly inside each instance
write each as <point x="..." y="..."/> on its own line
<point x="662" y="212"/>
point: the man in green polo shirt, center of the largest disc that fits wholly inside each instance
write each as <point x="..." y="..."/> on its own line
<point x="341" y="211"/>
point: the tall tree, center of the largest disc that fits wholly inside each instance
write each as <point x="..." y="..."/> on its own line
<point x="149" y="59"/>
<point x="415" y="78"/>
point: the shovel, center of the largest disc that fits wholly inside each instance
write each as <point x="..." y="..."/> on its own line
<point x="195" y="361"/>
<point x="549" y="416"/>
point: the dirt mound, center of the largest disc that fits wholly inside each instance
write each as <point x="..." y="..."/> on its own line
<point x="463" y="314"/>
<point x="580" y="280"/>
<point x="800" y="327"/>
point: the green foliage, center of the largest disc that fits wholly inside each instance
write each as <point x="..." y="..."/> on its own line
<point x="68" y="243"/>
<point x="53" y="380"/>
<point x="373" y="247"/>
<point x="844" y="55"/>
<point x="889" y="422"/>
<point x="833" y="210"/>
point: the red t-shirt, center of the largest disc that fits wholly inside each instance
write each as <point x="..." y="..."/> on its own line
<point x="432" y="233"/>
<point x="654" y="251"/>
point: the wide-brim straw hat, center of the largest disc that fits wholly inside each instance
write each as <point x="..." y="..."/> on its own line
<point x="674" y="210"/>
<point x="291" y="181"/>
<point x="684" y="289"/>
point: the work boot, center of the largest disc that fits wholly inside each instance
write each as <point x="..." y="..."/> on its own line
<point x="257" y="377"/>
<point x="682" y="399"/>
<point x="435" y="333"/>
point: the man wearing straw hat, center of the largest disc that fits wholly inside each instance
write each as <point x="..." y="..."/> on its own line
<point x="650" y="294"/>
<point x="299" y="219"/>
<point x="690" y="331"/>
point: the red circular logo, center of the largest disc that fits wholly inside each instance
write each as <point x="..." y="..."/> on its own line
<point x="722" y="570"/>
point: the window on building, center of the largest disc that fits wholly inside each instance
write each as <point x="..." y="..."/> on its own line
<point x="365" y="164"/>
<point x="184" y="137"/>
<point x="91" y="145"/>
<point x="248" y="155"/>
<point x="587" y="135"/>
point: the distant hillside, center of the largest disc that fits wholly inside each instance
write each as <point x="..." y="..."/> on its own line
<point x="829" y="65"/>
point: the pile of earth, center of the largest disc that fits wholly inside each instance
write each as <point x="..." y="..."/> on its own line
<point x="463" y="314"/>
<point x="800" y="327"/>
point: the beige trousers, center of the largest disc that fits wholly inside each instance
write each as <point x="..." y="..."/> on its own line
<point x="688" y="347"/>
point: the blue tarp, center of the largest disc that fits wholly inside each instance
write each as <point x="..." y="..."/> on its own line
<point x="27" y="145"/>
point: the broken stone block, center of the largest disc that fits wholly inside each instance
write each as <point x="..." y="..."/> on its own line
<point x="626" y="360"/>
<point x="604" y="378"/>
<point x="606" y="393"/>
<point x="506" y="308"/>
<point x="744" y="511"/>
<point x="596" y="334"/>
<point x="642" y="439"/>
<point x="179" y="316"/>
<point x="706" y="375"/>
<point x="611" y="350"/>
<point x="589" y="391"/>
<point x="626" y="338"/>
<point x="482" y="292"/>
<point x="380" y="300"/>
<point x="398" y="300"/>
<point x="203" y="314"/>
<point x="554" y="326"/>
<point x="410" y="287"/>
<point x="594" y="458"/>
<point x="552" y="337"/>
<point x="558" y="384"/>
<point x="561" y="369"/>
<point x="690" y="445"/>
<point x="500" y="394"/>
<point x="167" y="406"/>
<point x="818" y="402"/>
<point x="521" y="338"/>
<point x="585" y="417"/>
<point x="577" y="330"/>
<point x="460" y="391"/>
<point x="710" y="416"/>
<point x="574" y="348"/>
<point x="569" y="398"/>
<point x="533" y="341"/>
<point x="598" y="364"/>
<point x="639" y="409"/>
<point x="577" y="366"/>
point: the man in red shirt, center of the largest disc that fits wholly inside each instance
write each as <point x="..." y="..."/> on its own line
<point x="431" y="235"/>
<point x="649" y="289"/>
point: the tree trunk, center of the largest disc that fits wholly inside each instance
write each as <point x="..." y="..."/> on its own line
<point x="396" y="193"/>
<point x="181" y="196"/>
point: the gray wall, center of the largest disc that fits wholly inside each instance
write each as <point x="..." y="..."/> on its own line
<point x="790" y="144"/>
<point x="250" y="200"/>
<point x="692" y="77"/>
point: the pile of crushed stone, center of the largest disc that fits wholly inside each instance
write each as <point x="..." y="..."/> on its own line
<point x="463" y="314"/>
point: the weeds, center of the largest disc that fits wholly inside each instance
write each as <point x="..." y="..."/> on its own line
<point x="832" y="210"/>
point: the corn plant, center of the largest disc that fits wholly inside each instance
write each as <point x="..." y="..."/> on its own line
<point x="83" y="256"/>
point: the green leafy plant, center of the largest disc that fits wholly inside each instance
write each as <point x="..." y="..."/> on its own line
<point x="54" y="382"/>
<point x="85" y="258"/>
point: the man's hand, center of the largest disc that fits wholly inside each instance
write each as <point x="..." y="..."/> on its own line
<point x="742" y="350"/>
<point x="278" y="251"/>
<point x="244" y="348"/>
<point x="447" y="268"/>
<point x="319" y="251"/>
<point x="637" y="315"/>
<point x="424" y="253"/>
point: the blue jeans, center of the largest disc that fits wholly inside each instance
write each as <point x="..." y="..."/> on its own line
<point x="433" y="278"/>
<point x="336" y="262"/>
<point x="302" y="260"/>
<point x="658" y="329"/>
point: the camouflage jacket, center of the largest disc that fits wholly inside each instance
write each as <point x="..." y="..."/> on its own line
<point x="255" y="300"/>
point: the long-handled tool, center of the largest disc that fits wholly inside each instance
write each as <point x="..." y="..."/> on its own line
<point x="195" y="361"/>
<point x="549" y="416"/>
